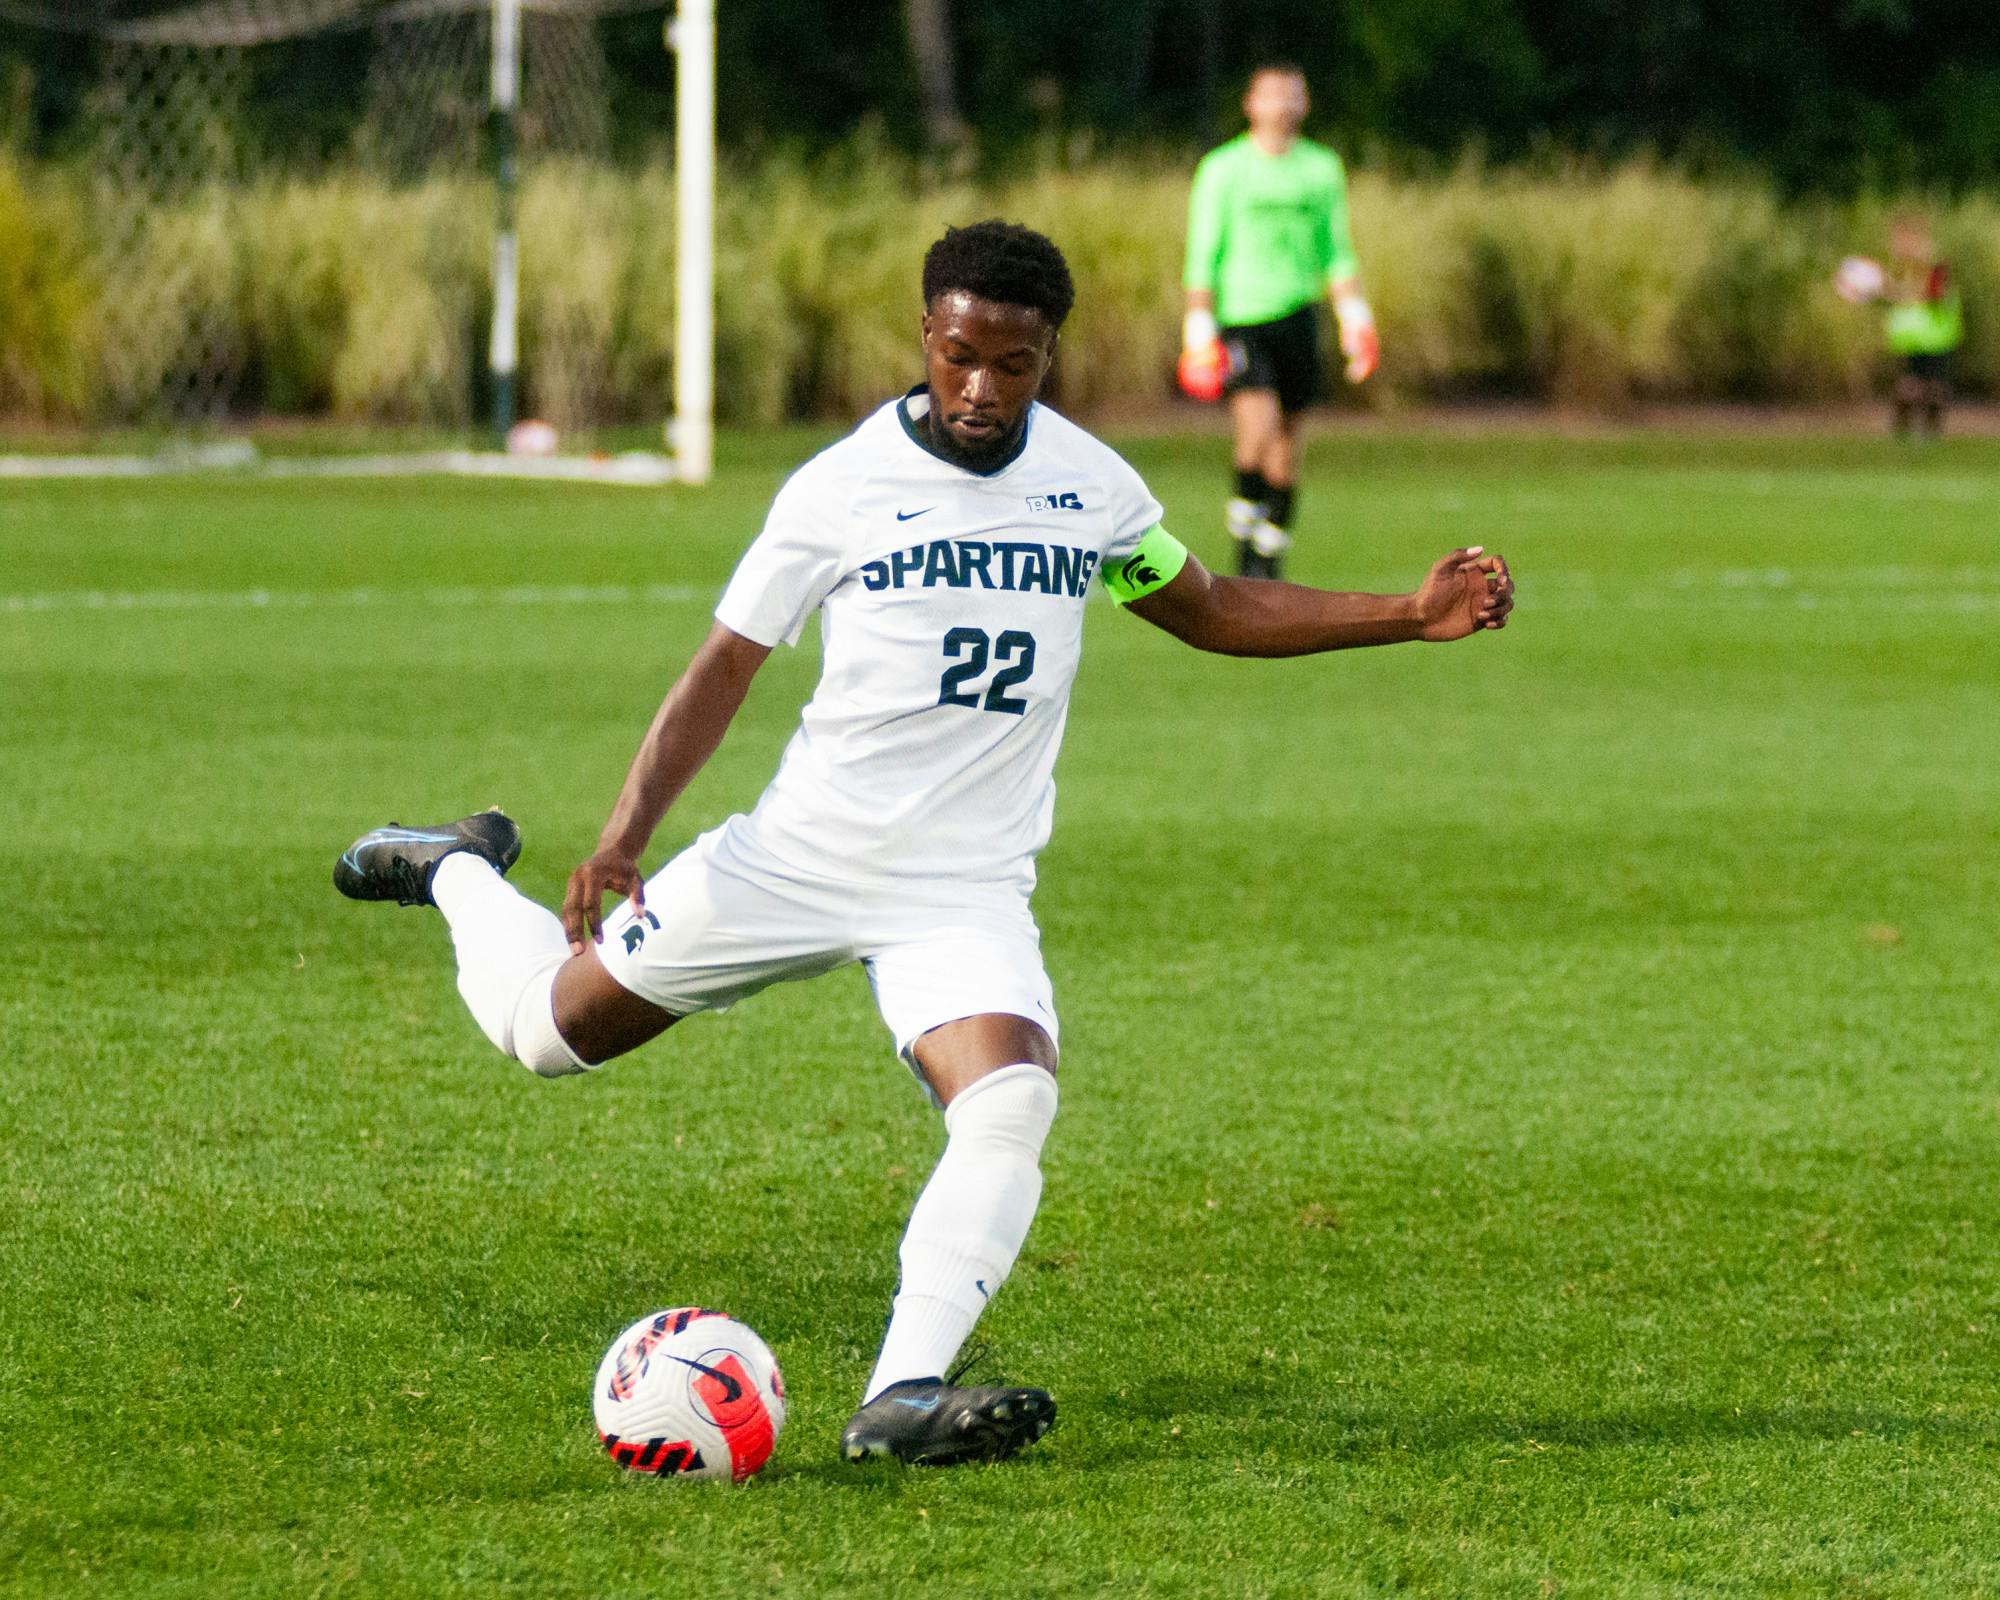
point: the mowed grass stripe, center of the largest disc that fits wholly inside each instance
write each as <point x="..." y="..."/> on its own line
<point x="1528" y="1114"/>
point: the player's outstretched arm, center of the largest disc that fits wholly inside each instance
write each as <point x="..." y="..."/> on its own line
<point x="689" y="725"/>
<point x="1465" y="592"/>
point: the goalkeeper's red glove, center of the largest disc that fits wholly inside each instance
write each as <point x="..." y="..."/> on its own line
<point x="1359" y="341"/>
<point x="1204" y="366"/>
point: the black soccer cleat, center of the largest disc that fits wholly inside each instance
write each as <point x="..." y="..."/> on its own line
<point x="927" y="1422"/>
<point x="397" y="863"/>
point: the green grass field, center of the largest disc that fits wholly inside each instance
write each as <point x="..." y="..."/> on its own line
<point x="1530" y="1107"/>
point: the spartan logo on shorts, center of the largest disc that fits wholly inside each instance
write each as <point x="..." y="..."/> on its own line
<point x="635" y="935"/>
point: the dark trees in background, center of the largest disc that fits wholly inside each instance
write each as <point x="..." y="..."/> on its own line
<point x="1823" y="94"/>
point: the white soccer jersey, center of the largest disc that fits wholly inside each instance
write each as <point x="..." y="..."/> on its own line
<point x="951" y="609"/>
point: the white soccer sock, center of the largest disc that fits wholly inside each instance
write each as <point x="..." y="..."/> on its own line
<point x="508" y="951"/>
<point x="968" y="1224"/>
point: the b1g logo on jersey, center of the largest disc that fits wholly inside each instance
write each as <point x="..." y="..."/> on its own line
<point x="1067" y="500"/>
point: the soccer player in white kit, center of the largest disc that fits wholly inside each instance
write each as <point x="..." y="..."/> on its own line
<point x="948" y="545"/>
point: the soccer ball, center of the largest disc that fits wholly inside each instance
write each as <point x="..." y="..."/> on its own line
<point x="689" y="1394"/>
<point x="531" y="437"/>
<point x="1857" y="280"/>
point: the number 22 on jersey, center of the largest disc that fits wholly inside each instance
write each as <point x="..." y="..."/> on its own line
<point x="974" y="649"/>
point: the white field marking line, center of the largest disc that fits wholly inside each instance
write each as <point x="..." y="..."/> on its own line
<point x="1815" y="486"/>
<point x="1866" y="579"/>
<point x="1838" y="486"/>
<point x="636" y="468"/>
<point x="1960" y="601"/>
<point x="305" y="600"/>
<point x="1902" y="589"/>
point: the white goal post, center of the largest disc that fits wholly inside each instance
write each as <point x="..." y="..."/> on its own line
<point x="691" y="433"/>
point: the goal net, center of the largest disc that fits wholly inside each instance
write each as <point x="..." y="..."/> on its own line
<point x="178" y="155"/>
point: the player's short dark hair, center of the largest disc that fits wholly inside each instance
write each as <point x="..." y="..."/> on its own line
<point x="1004" y="262"/>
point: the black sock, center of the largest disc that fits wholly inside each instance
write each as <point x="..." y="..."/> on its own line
<point x="1280" y="503"/>
<point x="1252" y="487"/>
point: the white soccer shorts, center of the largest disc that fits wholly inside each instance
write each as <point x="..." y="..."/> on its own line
<point x="725" y="919"/>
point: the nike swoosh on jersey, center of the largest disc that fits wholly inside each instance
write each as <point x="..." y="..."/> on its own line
<point x="905" y="516"/>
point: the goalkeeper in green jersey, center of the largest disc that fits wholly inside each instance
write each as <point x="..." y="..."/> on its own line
<point x="1267" y="239"/>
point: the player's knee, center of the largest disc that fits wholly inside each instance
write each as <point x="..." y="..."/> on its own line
<point x="535" y="1040"/>
<point x="597" y="1017"/>
<point x="1014" y="1106"/>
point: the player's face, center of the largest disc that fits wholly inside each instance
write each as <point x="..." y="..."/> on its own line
<point x="985" y="362"/>
<point x="1276" y="104"/>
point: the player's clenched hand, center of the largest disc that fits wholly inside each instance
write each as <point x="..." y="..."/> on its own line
<point x="1463" y="593"/>
<point x="606" y="872"/>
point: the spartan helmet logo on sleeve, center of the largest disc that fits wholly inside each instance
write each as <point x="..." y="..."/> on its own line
<point x="1139" y="570"/>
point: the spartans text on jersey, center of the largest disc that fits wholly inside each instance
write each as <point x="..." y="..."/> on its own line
<point x="1012" y="564"/>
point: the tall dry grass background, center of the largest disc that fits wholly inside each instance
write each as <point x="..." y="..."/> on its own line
<point x="346" y="297"/>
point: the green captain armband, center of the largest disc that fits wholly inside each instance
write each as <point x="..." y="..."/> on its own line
<point x="1154" y="565"/>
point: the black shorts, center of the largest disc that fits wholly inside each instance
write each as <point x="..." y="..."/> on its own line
<point x="1933" y="366"/>
<point x="1281" y="356"/>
